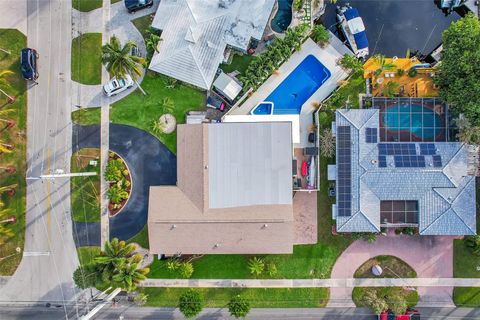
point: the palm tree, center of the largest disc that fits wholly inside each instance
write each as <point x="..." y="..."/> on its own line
<point x="320" y="35"/>
<point x="6" y="148"/>
<point x="119" y="61"/>
<point x="167" y="105"/>
<point x="113" y="257"/>
<point x="129" y="275"/>
<point x="4" y="82"/>
<point x="152" y="41"/>
<point x="390" y="89"/>
<point x="5" y="232"/>
<point x="8" y="122"/>
<point x="382" y="64"/>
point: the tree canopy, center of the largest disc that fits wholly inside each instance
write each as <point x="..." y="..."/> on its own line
<point x="190" y="303"/>
<point x="459" y="72"/>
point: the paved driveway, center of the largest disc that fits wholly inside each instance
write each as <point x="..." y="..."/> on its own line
<point x="429" y="256"/>
<point x="13" y="15"/>
<point x="150" y="164"/>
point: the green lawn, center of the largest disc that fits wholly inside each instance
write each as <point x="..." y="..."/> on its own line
<point x="87" y="116"/>
<point x="85" y="191"/>
<point x="392" y="267"/>
<point x="140" y="111"/>
<point x="87" y="254"/>
<point x="348" y="92"/>
<point x="14" y="41"/>
<point x="143" y="24"/>
<point x="86" y="5"/>
<point x="87" y="58"/>
<point x="141" y="238"/>
<point x="466" y="297"/>
<point x="239" y="62"/>
<point x="258" y="297"/>
<point x="115" y="1"/>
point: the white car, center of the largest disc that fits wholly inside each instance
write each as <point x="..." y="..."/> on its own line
<point x="115" y="86"/>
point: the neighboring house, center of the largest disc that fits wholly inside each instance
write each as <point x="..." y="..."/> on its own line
<point x="233" y="193"/>
<point x="196" y="33"/>
<point x="405" y="176"/>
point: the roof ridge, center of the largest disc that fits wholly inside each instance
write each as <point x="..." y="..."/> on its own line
<point x="444" y="214"/>
<point x="198" y="67"/>
<point x="450" y="162"/>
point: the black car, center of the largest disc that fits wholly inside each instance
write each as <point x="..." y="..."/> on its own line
<point x="28" y="63"/>
<point x="135" y="5"/>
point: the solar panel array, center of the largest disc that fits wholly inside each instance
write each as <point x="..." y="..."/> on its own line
<point x="437" y="161"/>
<point x="409" y="161"/>
<point x="344" y="172"/>
<point x="371" y="135"/>
<point x="393" y="149"/>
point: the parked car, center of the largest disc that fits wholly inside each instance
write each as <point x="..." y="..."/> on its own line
<point x="115" y="86"/>
<point x="28" y="63"/>
<point x="135" y="5"/>
<point x="215" y="103"/>
<point x="410" y="314"/>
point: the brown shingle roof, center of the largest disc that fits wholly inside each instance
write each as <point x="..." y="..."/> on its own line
<point x="180" y="221"/>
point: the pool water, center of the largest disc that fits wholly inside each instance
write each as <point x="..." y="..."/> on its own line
<point x="422" y="122"/>
<point x="296" y="88"/>
<point x="283" y="17"/>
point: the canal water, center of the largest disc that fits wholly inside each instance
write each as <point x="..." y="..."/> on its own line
<point x="395" y="26"/>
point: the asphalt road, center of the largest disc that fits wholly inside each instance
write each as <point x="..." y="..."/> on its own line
<point x="45" y="273"/>
<point x="144" y="313"/>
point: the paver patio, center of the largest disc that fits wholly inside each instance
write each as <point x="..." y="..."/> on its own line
<point x="429" y="256"/>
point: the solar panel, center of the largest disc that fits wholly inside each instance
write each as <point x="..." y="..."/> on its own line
<point x="427" y="149"/>
<point x="382" y="161"/>
<point x="409" y="161"/>
<point x="437" y="161"/>
<point x="371" y="135"/>
<point x="392" y="149"/>
<point x="344" y="167"/>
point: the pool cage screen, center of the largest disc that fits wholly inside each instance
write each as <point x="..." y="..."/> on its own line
<point x="412" y="119"/>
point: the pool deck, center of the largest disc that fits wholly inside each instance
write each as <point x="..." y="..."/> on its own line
<point x="328" y="56"/>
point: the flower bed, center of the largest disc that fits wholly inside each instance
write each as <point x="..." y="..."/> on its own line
<point x="120" y="183"/>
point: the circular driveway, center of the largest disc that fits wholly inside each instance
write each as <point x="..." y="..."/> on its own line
<point x="150" y="164"/>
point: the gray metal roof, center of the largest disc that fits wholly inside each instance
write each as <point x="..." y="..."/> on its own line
<point x="445" y="195"/>
<point x="195" y="34"/>
<point x="249" y="164"/>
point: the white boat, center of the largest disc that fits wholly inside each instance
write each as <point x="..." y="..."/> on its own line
<point x="353" y="29"/>
<point x="311" y="174"/>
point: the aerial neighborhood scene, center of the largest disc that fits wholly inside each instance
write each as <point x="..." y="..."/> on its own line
<point x="239" y="159"/>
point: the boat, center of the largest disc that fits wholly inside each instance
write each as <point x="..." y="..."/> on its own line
<point x="353" y="29"/>
<point x="311" y="174"/>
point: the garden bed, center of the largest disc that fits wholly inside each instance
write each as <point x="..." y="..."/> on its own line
<point x="120" y="184"/>
<point x="392" y="267"/>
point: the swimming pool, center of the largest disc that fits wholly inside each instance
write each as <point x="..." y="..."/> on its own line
<point x="283" y="17"/>
<point x="295" y="89"/>
<point x="421" y="121"/>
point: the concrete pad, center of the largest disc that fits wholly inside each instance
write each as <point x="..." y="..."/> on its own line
<point x="305" y="217"/>
<point x="14" y="15"/>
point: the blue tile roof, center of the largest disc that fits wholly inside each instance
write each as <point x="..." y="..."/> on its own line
<point x="445" y="193"/>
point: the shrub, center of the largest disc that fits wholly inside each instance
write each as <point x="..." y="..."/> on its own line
<point x="173" y="264"/>
<point x="375" y="303"/>
<point x="400" y="72"/>
<point x="239" y="307"/>
<point x="412" y="73"/>
<point x="271" y="269"/>
<point x="186" y="269"/>
<point x="320" y="35"/>
<point x="85" y="277"/>
<point x="140" y="299"/>
<point x="473" y="242"/>
<point x="256" y="266"/>
<point x="116" y="195"/>
<point x="190" y="303"/>
<point x="351" y="63"/>
<point x="365" y="236"/>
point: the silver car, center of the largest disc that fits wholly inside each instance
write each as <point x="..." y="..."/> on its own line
<point x="115" y="86"/>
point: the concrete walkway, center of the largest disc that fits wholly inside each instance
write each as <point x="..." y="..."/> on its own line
<point x="115" y="20"/>
<point x="429" y="256"/>
<point x="313" y="283"/>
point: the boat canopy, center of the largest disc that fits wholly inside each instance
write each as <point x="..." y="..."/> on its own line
<point x="355" y="23"/>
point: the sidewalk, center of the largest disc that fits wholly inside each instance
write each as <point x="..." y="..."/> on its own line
<point x="312" y="283"/>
